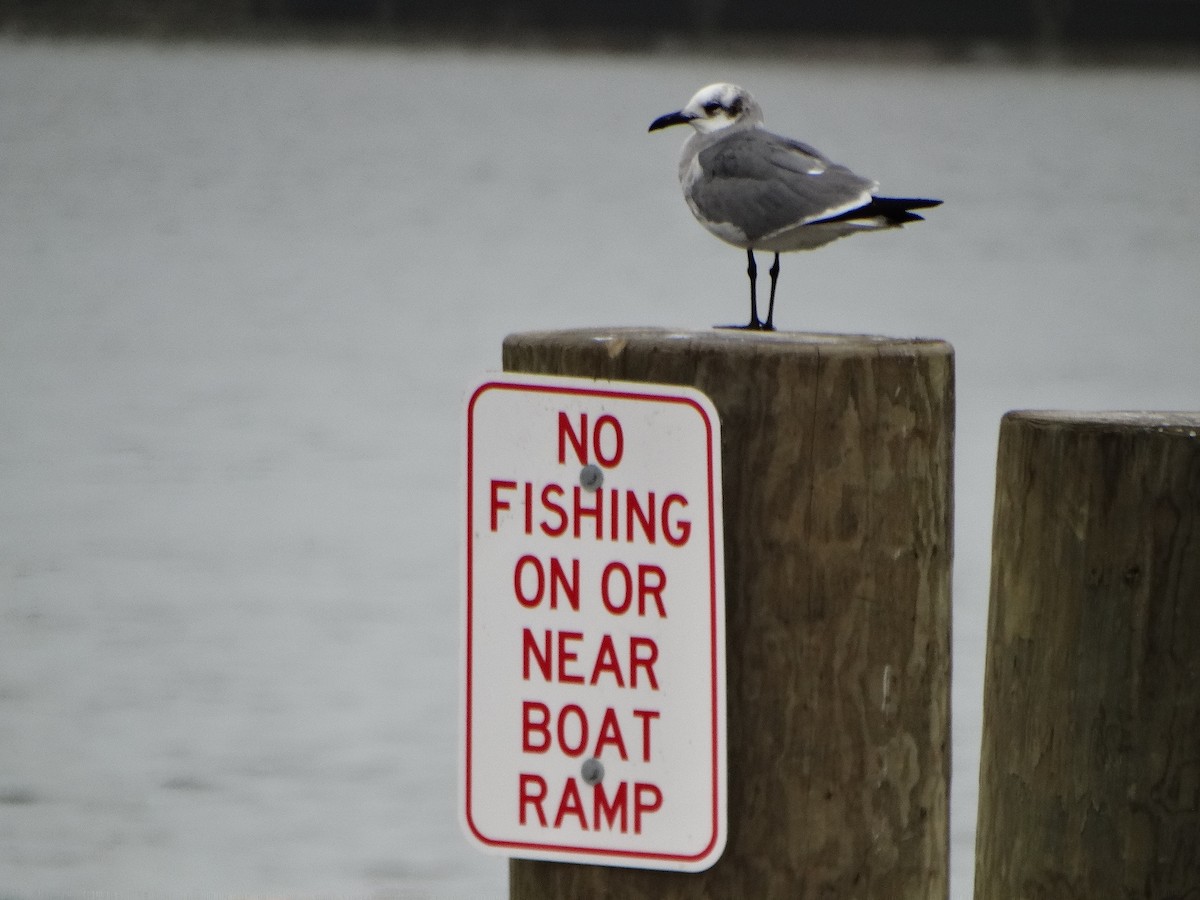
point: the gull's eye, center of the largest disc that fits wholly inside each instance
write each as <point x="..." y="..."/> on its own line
<point x="712" y="107"/>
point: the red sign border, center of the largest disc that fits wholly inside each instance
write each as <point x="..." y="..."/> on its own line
<point x="714" y="611"/>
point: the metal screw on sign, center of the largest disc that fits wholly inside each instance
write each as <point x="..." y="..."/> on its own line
<point x="592" y="771"/>
<point x="591" y="477"/>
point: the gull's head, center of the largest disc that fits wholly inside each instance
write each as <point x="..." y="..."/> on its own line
<point x="713" y="108"/>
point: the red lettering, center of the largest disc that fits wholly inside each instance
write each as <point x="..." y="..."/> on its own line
<point x="530" y="728"/>
<point x="618" y="442"/>
<point x="651" y="582"/>
<point x="529" y="648"/>
<point x="497" y="503"/>
<point x="647" y="798"/>
<point x="606" y="661"/>
<point x="645" y="517"/>
<point x="647" y="716"/>
<point x="578" y="439"/>
<point x="532" y="790"/>
<point x="580" y="729"/>
<point x="589" y="512"/>
<point x="571" y="804"/>
<point x="546" y="508"/>
<point x="608" y="456"/>
<point x="538" y="652"/>
<point x="606" y="597"/>
<point x="529" y="601"/>
<point x="603" y="810"/>
<point x="570" y="730"/>
<point x="558" y="576"/>
<point x="611" y="812"/>
<point x="566" y="656"/>
<point x="678" y="535"/>
<point x="640" y="660"/>
<point x="610" y="733"/>
<point x="550" y="506"/>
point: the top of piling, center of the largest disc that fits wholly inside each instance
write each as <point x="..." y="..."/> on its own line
<point x="1186" y="423"/>
<point x="735" y="341"/>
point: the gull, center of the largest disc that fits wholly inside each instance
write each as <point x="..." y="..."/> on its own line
<point x="760" y="191"/>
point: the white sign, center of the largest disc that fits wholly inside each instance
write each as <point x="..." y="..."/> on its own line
<point x="594" y="624"/>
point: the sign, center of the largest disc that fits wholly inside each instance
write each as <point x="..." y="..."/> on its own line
<point x="594" y="638"/>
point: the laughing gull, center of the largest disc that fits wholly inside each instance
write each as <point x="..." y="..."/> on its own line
<point x="760" y="191"/>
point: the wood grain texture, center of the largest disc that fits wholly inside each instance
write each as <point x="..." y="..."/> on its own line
<point x="1090" y="772"/>
<point x="837" y="454"/>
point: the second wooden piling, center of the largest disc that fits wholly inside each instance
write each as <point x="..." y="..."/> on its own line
<point x="1090" y="774"/>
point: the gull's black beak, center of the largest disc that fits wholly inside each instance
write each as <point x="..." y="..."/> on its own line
<point x="675" y="118"/>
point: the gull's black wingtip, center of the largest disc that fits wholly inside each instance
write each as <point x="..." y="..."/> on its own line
<point x="900" y="210"/>
<point x="919" y="203"/>
<point x="897" y="205"/>
<point x="894" y="210"/>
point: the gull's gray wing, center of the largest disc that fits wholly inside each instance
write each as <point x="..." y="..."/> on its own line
<point x="761" y="184"/>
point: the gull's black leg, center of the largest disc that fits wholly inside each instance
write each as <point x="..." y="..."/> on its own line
<point x="752" y="271"/>
<point x="769" y="325"/>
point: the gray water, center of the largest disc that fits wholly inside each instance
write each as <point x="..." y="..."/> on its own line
<point x="242" y="291"/>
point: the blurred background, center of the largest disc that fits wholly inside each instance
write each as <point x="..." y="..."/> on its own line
<point x="1046" y="23"/>
<point x="253" y="251"/>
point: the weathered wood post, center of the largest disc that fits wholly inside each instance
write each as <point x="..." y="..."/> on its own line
<point x="837" y="455"/>
<point x="1090" y="772"/>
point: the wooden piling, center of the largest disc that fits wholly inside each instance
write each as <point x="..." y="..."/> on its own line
<point x="1090" y="770"/>
<point x="837" y="454"/>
